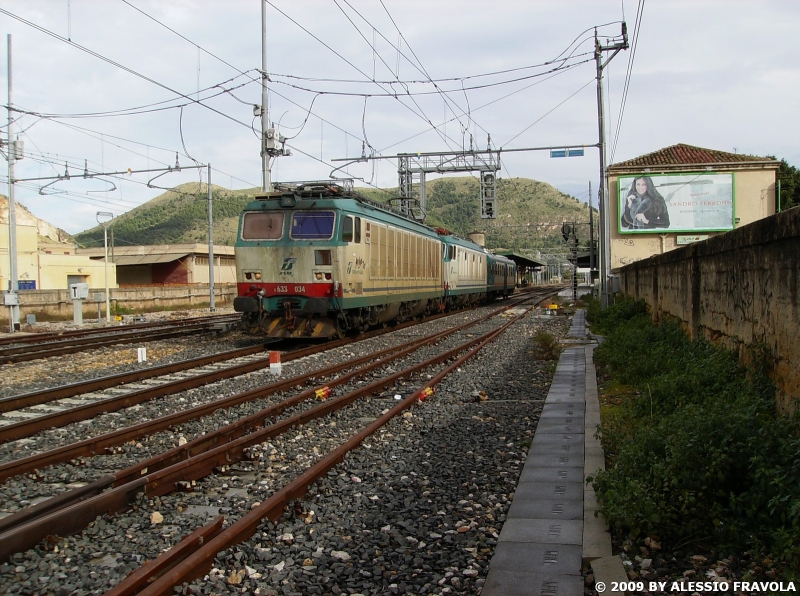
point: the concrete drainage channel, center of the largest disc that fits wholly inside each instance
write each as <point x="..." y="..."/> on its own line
<point x="554" y="525"/>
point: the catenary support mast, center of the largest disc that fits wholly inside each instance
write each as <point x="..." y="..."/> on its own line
<point x="13" y="274"/>
<point x="603" y="202"/>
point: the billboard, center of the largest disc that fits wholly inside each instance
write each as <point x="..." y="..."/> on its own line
<point x="694" y="202"/>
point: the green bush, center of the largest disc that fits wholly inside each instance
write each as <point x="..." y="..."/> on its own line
<point x="696" y="449"/>
<point x="604" y="320"/>
<point x="546" y="347"/>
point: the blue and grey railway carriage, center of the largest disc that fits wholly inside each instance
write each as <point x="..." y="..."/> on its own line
<point x="317" y="261"/>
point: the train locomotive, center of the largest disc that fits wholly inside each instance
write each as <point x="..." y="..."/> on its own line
<point x="317" y="260"/>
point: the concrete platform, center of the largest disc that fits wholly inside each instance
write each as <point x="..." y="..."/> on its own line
<point x="551" y="528"/>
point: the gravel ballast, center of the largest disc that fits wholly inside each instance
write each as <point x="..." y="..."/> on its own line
<point x="416" y="510"/>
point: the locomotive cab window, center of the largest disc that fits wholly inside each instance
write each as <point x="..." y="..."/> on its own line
<point x="312" y="225"/>
<point x="262" y="226"/>
<point x="347" y="229"/>
<point x="357" y="231"/>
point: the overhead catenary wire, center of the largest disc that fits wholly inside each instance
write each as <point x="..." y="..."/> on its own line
<point x="628" y="73"/>
<point x="144" y="109"/>
<point x="558" y="105"/>
<point x="273" y="75"/>
<point x="118" y="65"/>
<point x="419" y="66"/>
<point x="241" y="72"/>
<point x="366" y="76"/>
<point x="538" y="82"/>
<point x="439" y="92"/>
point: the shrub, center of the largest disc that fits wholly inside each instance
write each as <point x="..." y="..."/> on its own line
<point x="696" y="449"/>
<point x="546" y="347"/>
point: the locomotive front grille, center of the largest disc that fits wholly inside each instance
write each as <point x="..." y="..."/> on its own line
<point x="293" y="302"/>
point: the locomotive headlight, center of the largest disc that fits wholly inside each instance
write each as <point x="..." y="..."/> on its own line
<point x="318" y="275"/>
<point x="257" y="275"/>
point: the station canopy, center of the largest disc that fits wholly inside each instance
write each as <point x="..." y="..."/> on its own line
<point x="521" y="260"/>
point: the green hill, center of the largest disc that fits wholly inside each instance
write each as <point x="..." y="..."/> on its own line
<point x="530" y="214"/>
<point x="178" y="216"/>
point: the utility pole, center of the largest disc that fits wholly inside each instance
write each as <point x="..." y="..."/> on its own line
<point x="13" y="299"/>
<point x="603" y="203"/>
<point x="211" y="305"/>
<point x="105" y="223"/>
<point x="592" y="263"/>
<point x="266" y="174"/>
<point x="272" y="143"/>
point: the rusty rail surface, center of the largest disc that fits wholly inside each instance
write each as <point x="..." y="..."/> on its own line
<point x="33" y="398"/>
<point x="99" y="444"/>
<point x="199" y="563"/>
<point x="26" y="428"/>
<point x="150" y="571"/>
<point x="37" y="337"/>
<point x="70" y="346"/>
<point x="142" y="478"/>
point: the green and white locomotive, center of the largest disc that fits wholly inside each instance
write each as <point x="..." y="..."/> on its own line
<point x="316" y="260"/>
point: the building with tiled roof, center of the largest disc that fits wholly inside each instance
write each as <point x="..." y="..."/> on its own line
<point x="681" y="155"/>
<point x="682" y="194"/>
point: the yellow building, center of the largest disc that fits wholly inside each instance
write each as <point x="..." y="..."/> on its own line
<point x="49" y="265"/>
<point x="683" y="194"/>
<point x="44" y="260"/>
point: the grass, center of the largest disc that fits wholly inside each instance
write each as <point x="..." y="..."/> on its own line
<point x="695" y="447"/>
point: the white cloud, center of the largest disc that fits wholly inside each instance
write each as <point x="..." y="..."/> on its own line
<point x="715" y="74"/>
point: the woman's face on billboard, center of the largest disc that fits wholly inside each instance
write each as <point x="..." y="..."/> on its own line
<point x="641" y="186"/>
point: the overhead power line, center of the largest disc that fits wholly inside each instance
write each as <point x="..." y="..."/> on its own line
<point x="366" y="76"/>
<point x="241" y="72"/>
<point x="437" y="92"/>
<point x="628" y="73"/>
<point x="118" y="65"/>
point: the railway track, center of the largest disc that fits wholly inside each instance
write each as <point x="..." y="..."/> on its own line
<point x="195" y="459"/>
<point x="27" y="414"/>
<point x="37" y="337"/>
<point x="180" y="467"/>
<point x="11" y="355"/>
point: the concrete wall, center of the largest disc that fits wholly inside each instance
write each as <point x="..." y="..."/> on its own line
<point x="754" y="192"/>
<point x="57" y="302"/>
<point x="741" y="288"/>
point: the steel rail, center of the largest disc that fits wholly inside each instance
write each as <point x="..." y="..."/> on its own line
<point x="198" y="563"/>
<point x="235" y="429"/>
<point x="96" y="445"/>
<point x="70" y="346"/>
<point x="37" y="337"/>
<point x="27" y="428"/>
<point x="33" y="398"/>
<point x="147" y="573"/>
<point x="159" y="482"/>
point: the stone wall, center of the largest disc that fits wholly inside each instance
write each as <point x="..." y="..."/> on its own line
<point x="741" y="289"/>
<point x="140" y="298"/>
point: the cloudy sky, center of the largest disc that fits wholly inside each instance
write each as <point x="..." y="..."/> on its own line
<point x="101" y="82"/>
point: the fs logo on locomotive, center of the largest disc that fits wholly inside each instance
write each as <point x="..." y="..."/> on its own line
<point x="288" y="263"/>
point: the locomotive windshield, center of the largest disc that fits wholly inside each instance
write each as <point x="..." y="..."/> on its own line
<point x="262" y="226"/>
<point x="312" y="225"/>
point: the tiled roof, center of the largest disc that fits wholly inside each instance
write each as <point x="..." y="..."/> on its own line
<point x="681" y="154"/>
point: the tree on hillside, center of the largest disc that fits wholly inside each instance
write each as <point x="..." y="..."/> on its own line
<point x="789" y="177"/>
